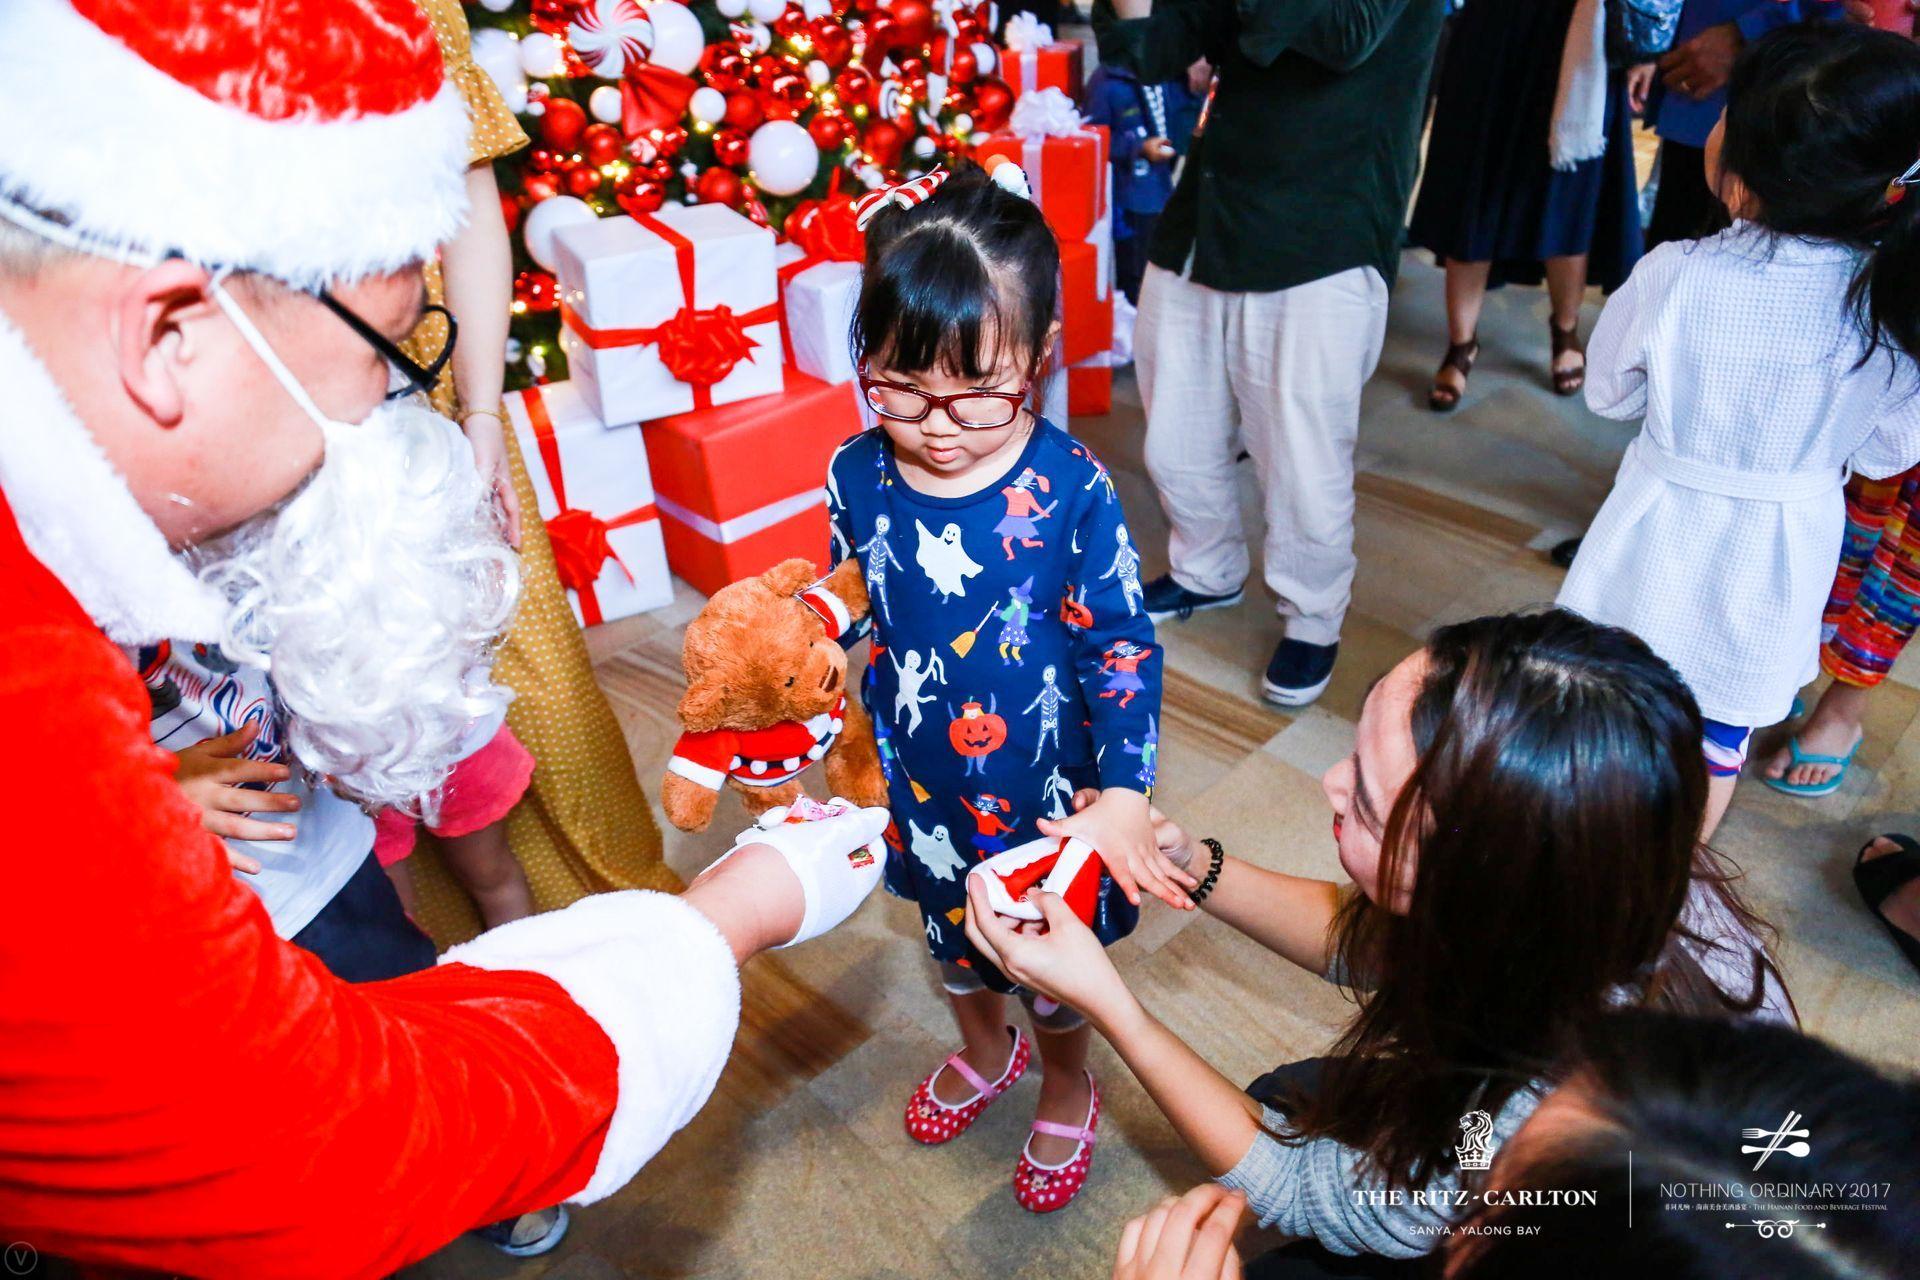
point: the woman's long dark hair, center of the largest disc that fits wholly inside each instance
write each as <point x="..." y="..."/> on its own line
<point x="954" y="280"/>
<point x="1549" y="833"/>
<point x="1821" y="118"/>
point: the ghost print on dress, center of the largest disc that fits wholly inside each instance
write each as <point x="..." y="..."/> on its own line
<point x="1020" y="609"/>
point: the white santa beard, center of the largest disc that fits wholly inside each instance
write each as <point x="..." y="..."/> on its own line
<point x="374" y="596"/>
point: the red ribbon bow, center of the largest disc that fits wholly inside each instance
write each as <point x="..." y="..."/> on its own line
<point x="581" y="547"/>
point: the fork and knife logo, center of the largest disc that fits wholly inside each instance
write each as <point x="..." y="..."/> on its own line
<point x="1776" y="1140"/>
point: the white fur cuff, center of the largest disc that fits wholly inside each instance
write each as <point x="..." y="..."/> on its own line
<point x="660" y="980"/>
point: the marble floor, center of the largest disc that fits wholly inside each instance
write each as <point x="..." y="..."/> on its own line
<point x="799" y="1167"/>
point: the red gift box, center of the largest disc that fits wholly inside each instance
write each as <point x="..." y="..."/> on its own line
<point x="1051" y="66"/>
<point x="1086" y="302"/>
<point x="1068" y="173"/>
<point x="742" y="486"/>
<point x="1090" y="388"/>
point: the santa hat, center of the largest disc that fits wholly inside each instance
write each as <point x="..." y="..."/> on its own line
<point x="310" y="140"/>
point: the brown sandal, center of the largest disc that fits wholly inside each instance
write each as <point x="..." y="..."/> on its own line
<point x="1567" y="382"/>
<point x="1460" y="357"/>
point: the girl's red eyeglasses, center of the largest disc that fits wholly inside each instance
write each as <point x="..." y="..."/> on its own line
<point x="974" y="410"/>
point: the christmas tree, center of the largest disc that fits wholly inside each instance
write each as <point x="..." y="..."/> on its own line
<point x="783" y="111"/>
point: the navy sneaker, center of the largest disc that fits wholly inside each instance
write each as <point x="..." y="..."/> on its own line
<point x="1299" y="672"/>
<point x="530" y="1234"/>
<point x="1166" y="598"/>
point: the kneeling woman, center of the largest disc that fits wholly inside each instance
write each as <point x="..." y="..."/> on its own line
<point x="1519" y="819"/>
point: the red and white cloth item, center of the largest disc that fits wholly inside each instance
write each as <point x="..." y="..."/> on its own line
<point x="1059" y="865"/>
<point x="932" y="1122"/>
<point x="481" y="790"/>
<point x="595" y="493"/>
<point x="1034" y="60"/>
<point x="778" y="753"/>
<point x="669" y="312"/>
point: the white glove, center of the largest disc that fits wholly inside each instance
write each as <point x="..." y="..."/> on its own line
<point x="838" y="857"/>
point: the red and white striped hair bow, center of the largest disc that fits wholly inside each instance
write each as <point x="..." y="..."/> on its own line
<point x="905" y="195"/>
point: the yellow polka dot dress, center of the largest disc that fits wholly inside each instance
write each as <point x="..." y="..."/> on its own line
<point x="584" y="825"/>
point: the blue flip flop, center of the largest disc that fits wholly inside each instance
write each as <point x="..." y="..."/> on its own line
<point x="1812" y="790"/>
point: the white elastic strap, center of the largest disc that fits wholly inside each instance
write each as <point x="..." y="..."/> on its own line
<point x="256" y="340"/>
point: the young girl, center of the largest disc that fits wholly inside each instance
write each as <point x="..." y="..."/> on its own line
<point x="994" y="688"/>
<point x="1769" y="361"/>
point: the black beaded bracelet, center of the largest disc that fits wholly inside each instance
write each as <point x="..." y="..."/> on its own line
<point x="1198" y="894"/>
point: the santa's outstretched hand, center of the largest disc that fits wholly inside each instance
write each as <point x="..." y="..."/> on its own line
<point x="832" y="855"/>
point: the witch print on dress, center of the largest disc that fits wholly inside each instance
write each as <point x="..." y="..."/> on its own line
<point x="878" y="553"/>
<point x="944" y="559"/>
<point x="1013" y="629"/>
<point x="1149" y="753"/>
<point x="913" y="676"/>
<point x="990" y="828"/>
<point x="1024" y="510"/>
<point x="935" y="850"/>
<point x="1126" y="567"/>
<point x="1050" y="699"/>
<point x="1122" y="665"/>
<point x="977" y="732"/>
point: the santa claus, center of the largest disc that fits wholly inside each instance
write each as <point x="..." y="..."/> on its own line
<point x="212" y="215"/>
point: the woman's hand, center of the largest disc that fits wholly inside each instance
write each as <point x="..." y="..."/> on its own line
<point x="1639" y="85"/>
<point x="211" y="773"/>
<point x="488" y="437"/>
<point x="1189" y="1238"/>
<point x="1699" y="67"/>
<point x="1118" y="823"/>
<point x="1059" y="957"/>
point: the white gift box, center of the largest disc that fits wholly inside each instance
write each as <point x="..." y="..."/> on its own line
<point x="627" y="321"/>
<point x="595" y="492"/>
<point x="817" y="314"/>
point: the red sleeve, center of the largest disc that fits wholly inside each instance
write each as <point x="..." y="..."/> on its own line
<point x="705" y="757"/>
<point x="184" y="1092"/>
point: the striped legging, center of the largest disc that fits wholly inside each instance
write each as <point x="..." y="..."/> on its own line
<point x="1875" y="602"/>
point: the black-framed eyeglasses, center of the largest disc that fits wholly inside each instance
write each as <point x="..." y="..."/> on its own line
<point x="419" y="377"/>
<point x="973" y="410"/>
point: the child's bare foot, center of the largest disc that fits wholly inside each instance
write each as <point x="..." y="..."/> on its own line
<point x="1834" y="729"/>
<point x="1064" y="1097"/>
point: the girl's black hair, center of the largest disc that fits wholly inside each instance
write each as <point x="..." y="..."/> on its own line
<point x="954" y="282"/>
<point x="1821" y="118"/>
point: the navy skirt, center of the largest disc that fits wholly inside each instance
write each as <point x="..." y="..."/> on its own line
<point x="1489" y="192"/>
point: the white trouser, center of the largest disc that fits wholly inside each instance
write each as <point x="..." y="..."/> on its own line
<point x="1278" y="374"/>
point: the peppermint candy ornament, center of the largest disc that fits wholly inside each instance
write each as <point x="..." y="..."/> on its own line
<point x="609" y="35"/>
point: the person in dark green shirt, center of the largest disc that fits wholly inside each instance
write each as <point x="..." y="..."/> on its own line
<point x="1265" y="305"/>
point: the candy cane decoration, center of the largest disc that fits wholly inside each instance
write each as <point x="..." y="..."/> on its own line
<point x="609" y="34"/>
<point x="905" y="195"/>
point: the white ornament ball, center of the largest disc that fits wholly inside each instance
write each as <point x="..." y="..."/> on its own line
<point x="604" y="104"/>
<point x="816" y="8"/>
<point x="689" y="170"/>
<point x="540" y="55"/>
<point x="495" y="6"/>
<point x="962" y="125"/>
<point x="924" y="147"/>
<point x="515" y="349"/>
<point x="766" y="10"/>
<point x="515" y="96"/>
<point x="545" y="220"/>
<point x="986" y="57"/>
<point x="783" y="157"/>
<point x="818" y="72"/>
<point x="491" y="44"/>
<point x="678" y="41"/>
<point x="536" y="363"/>
<point x="708" y="105"/>
<point x="732" y="8"/>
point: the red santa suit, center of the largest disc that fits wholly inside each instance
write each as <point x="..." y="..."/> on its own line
<point x="185" y="1092"/>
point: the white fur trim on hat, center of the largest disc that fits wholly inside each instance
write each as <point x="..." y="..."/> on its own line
<point x="132" y="157"/>
<point x="660" y="980"/>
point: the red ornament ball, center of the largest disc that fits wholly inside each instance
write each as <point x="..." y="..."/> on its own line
<point x="855" y="87"/>
<point x="912" y="67"/>
<point x="723" y="67"/>
<point x="601" y="144"/>
<point x="638" y="194"/>
<point x="830" y="130"/>
<point x="965" y="68"/>
<point x="510" y="211"/>
<point x="671" y="141"/>
<point x="992" y="103"/>
<point x="583" y="180"/>
<point x="562" y="124"/>
<point x="913" y="19"/>
<point x="545" y="160"/>
<point x="744" y="112"/>
<point x="719" y="186"/>
<point x="786" y="97"/>
<point x="536" y="291"/>
<point x="884" y="141"/>
<point x="539" y="186"/>
<point x="730" y="146"/>
<point x="790" y="24"/>
<point x="831" y="42"/>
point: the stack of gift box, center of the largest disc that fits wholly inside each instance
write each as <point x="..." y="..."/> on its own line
<point x="1065" y="160"/>
<point x="710" y="384"/>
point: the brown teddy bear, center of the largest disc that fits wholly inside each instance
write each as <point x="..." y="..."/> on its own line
<point x="768" y="694"/>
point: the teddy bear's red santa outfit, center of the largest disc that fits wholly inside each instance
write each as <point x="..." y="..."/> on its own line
<point x="181" y="1090"/>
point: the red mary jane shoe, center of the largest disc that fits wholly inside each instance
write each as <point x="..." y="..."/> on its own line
<point x="1043" y="1188"/>
<point x="933" y="1122"/>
